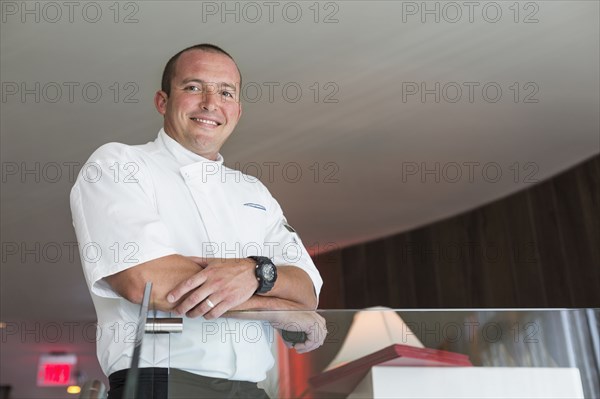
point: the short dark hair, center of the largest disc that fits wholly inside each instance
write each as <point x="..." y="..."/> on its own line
<point x="169" y="71"/>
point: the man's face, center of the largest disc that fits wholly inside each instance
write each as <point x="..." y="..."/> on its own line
<point x="203" y="107"/>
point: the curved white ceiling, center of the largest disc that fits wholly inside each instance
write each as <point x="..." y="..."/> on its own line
<point x="399" y="122"/>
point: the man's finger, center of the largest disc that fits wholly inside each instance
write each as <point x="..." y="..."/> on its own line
<point x="217" y="311"/>
<point x="312" y="342"/>
<point x="302" y="348"/>
<point x="196" y="298"/>
<point x="210" y="308"/>
<point x="308" y="346"/>
<point x="186" y="286"/>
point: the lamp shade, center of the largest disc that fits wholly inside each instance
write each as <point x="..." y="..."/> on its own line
<point x="373" y="329"/>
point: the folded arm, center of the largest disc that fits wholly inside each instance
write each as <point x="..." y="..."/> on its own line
<point x="164" y="273"/>
<point x="183" y="285"/>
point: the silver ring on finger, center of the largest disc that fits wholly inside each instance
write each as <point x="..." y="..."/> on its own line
<point x="209" y="303"/>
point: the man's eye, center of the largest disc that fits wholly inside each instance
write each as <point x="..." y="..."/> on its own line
<point x="227" y="94"/>
<point x="192" y="88"/>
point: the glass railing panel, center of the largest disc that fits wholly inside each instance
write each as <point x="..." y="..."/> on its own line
<point x="289" y="352"/>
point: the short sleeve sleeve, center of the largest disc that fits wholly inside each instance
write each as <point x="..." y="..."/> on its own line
<point x="115" y="216"/>
<point x="285" y="244"/>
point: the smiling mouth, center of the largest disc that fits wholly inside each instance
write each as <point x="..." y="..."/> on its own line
<point x="206" y="121"/>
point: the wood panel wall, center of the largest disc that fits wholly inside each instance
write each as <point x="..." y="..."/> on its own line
<point x="536" y="248"/>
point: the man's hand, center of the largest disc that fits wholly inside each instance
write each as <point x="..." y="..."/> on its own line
<point x="292" y="320"/>
<point x="222" y="283"/>
<point x="311" y="323"/>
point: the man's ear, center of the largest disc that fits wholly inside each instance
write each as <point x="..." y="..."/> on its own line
<point x="160" y="102"/>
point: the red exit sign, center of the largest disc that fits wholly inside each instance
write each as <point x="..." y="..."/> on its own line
<point x="56" y="370"/>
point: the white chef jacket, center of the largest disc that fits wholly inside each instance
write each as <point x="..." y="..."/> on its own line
<point x="133" y="204"/>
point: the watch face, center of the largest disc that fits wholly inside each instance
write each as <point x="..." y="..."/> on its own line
<point x="268" y="272"/>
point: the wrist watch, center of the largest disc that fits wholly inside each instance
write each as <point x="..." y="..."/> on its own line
<point x="266" y="273"/>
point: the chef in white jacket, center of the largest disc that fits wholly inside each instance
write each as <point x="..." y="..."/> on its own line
<point x="210" y="239"/>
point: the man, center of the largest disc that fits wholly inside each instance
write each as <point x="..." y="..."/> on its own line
<point x="171" y="213"/>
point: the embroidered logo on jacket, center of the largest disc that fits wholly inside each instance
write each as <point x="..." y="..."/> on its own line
<point x="253" y="205"/>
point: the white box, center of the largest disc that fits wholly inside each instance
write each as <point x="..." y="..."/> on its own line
<point x="470" y="382"/>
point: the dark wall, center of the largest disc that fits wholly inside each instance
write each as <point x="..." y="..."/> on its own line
<point x="536" y="248"/>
